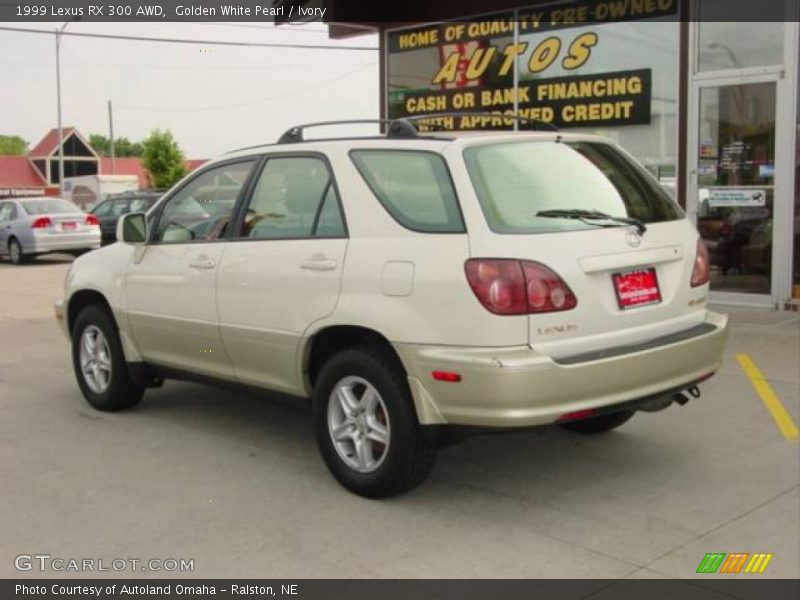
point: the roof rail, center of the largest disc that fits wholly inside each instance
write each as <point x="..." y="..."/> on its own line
<point x="536" y="124"/>
<point x="404" y="128"/>
<point x="396" y="128"/>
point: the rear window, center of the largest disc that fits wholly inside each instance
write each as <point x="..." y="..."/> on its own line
<point x="49" y="207"/>
<point x="516" y="180"/>
<point x="414" y="187"/>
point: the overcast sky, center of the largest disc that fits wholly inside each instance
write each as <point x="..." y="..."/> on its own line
<point x="212" y="98"/>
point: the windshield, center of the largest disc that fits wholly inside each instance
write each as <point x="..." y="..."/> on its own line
<point x="516" y="180"/>
<point x="55" y="206"/>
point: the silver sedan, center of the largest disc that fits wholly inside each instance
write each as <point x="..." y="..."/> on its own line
<point x="33" y="226"/>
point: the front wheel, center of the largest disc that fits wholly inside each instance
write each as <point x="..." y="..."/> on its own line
<point x="599" y="424"/>
<point x="99" y="362"/>
<point x="366" y="426"/>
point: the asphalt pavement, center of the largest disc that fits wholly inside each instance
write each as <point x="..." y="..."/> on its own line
<point x="232" y="481"/>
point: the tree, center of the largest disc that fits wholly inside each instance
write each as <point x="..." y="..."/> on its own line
<point x="122" y="146"/>
<point x="100" y="143"/>
<point x="13" y="144"/>
<point x="163" y="159"/>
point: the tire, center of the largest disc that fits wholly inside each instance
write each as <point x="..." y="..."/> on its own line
<point x="600" y="424"/>
<point x="110" y="388"/>
<point x="385" y="469"/>
<point x="15" y="253"/>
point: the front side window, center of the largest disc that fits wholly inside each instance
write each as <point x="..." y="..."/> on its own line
<point x="202" y="209"/>
<point x="141" y="204"/>
<point x="414" y="187"/>
<point x="119" y="208"/>
<point x="515" y="181"/>
<point x="294" y="198"/>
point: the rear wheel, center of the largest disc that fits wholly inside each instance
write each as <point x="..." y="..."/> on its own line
<point x="366" y="426"/>
<point x="599" y="424"/>
<point x="99" y="362"/>
<point x="15" y="252"/>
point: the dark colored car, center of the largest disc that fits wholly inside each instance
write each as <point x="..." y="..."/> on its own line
<point x="112" y="208"/>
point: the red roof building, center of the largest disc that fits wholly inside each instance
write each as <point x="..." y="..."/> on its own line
<point x="37" y="173"/>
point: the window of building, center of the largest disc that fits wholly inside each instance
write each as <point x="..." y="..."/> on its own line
<point x="617" y="79"/>
<point x="752" y="37"/>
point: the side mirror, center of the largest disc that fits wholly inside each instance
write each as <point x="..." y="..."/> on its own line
<point x="132" y="228"/>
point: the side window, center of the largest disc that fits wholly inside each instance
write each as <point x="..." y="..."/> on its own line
<point x="203" y="208"/>
<point x="7" y="211"/>
<point x="139" y="205"/>
<point x="120" y="207"/>
<point x="103" y="209"/>
<point x="330" y="223"/>
<point x="294" y="198"/>
<point x="414" y="187"/>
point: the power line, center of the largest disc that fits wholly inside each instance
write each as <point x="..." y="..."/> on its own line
<point x="135" y="38"/>
<point x="306" y="88"/>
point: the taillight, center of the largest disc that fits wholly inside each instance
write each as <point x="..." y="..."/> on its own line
<point x="701" y="272"/>
<point x="547" y="292"/>
<point x="92" y="220"/>
<point x="42" y="223"/>
<point x="518" y="287"/>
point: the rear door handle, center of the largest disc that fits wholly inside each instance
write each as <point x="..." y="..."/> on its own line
<point x="318" y="262"/>
<point x="203" y="262"/>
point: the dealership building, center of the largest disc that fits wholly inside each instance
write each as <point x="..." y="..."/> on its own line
<point x="37" y="173"/>
<point x="709" y="106"/>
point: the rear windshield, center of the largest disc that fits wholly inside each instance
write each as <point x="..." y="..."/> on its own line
<point x="514" y="181"/>
<point x="49" y="207"/>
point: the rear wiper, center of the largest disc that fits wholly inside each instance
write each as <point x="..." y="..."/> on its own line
<point x="589" y="215"/>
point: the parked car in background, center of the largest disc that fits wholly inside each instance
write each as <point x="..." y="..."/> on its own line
<point x="111" y="209"/>
<point x="407" y="284"/>
<point x="33" y="226"/>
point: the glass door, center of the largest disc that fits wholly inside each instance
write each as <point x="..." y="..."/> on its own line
<point x="732" y="198"/>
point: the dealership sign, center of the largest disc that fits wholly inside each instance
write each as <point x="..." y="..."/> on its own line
<point x="608" y="99"/>
<point x="20" y="192"/>
<point x="469" y="67"/>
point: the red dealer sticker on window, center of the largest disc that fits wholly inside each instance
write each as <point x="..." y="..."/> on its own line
<point x="637" y="288"/>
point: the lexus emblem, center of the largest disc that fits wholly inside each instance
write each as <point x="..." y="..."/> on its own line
<point x="632" y="238"/>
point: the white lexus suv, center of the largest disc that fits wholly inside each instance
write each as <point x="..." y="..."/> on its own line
<point x="409" y="285"/>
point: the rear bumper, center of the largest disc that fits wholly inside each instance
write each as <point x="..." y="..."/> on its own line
<point x="519" y="387"/>
<point x="57" y="242"/>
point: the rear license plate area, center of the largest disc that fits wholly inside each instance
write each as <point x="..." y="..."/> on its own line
<point x="638" y="287"/>
<point x="69" y="226"/>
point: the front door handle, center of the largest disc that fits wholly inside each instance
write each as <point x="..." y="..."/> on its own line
<point x="203" y="262"/>
<point x="318" y="262"/>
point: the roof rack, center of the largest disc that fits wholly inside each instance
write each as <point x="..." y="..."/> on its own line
<point x="406" y="128"/>
<point x="396" y="128"/>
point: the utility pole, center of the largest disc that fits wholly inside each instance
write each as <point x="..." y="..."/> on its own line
<point x="59" y="31"/>
<point x="60" y="128"/>
<point x="111" y="137"/>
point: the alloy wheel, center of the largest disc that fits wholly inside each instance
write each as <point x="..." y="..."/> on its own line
<point x="95" y="359"/>
<point x="358" y="423"/>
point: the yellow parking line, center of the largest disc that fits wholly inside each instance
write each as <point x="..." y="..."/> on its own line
<point x="782" y="418"/>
